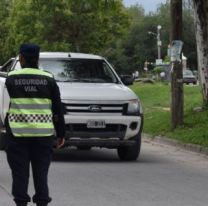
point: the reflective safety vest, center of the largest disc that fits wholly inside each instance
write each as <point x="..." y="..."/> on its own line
<point x="30" y="115"/>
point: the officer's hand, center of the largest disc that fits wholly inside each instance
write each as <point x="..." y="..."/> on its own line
<point x="60" y="142"/>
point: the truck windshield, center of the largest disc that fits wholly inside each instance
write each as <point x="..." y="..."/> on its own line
<point x="79" y="70"/>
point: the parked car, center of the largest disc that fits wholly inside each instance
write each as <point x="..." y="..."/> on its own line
<point x="188" y="77"/>
<point x="100" y="111"/>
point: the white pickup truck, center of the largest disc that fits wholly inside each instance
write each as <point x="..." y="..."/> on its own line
<point x="100" y="111"/>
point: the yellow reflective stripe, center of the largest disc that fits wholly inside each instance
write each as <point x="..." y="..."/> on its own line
<point x="32" y="132"/>
<point x="30" y="106"/>
<point x="30" y="71"/>
<point x="28" y="111"/>
<point x="30" y="101"/>
<point x="32" y="125"/>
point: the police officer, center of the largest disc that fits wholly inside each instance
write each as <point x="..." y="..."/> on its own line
<point x="34" y="115"/>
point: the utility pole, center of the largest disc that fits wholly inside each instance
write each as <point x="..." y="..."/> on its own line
<point x="177" y="99"/>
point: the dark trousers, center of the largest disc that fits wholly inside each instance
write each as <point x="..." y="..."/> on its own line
<point x="23" y="152"/>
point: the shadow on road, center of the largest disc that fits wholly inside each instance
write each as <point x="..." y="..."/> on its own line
<point x="72" y="154"/>
<point x="94" y="155"/>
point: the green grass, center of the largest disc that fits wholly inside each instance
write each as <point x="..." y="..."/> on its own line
<point x="155" y="99"/>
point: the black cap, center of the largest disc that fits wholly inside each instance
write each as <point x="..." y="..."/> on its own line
<point x="29" y="50"/>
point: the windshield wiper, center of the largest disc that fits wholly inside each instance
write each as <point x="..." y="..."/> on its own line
<point x="69" y="80"/>
<point x="85" y="80"/>
<point x="58" y="81"/>
<point x="79" y="80"/>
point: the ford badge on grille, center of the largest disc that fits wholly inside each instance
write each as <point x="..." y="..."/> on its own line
<point x="95" y="108"/>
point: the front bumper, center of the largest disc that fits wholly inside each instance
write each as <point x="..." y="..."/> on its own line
<point x="118" y="128"/>
<point x="189" y="80"/>
<point x="100" y="143"/>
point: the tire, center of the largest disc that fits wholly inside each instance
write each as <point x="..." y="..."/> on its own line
<point x="130" y="153"/>
<point x="2" y="138"/>
<point x="84" y="147"/>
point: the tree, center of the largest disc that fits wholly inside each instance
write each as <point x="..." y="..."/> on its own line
<point x="188" y="30"/>
<point x="201" y="26"/>
<point x="126" y="53"/>
<point x="4" y="14"/>
<point x="91" y="23"/>
<point x="136" y="13"/>
<point x="129" y="53"/>
<point x="66" y="25"/>
<point x="39" y="22"/>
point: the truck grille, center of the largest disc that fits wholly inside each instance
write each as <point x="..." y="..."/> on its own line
<point x="110" y="131"/>
<point x="94" y="109"/>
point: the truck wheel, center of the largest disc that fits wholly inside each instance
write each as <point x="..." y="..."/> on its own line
<point x="84" y="147"/>
<point x="2" y="137"/>
<point x="130" y="153"/>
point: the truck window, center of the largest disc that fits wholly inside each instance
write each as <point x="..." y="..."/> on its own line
<point x="7" y="66"/>
<point x="79" y="70"/>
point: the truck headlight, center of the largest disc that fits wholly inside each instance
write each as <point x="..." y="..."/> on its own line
<point x="133" y="106"/>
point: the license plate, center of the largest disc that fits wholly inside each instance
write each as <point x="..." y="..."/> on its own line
<point x="95" y="124"/>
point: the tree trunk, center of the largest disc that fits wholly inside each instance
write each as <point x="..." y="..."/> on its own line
<point x="77" y="46"/>
<point x="201" y="26"/>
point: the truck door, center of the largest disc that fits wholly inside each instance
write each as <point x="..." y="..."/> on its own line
<point x="4" y="96"/>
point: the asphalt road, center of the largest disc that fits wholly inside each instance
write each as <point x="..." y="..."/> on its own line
<point x="162" y="176"/>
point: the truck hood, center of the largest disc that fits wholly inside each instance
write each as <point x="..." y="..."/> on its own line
<point x="94" y="91"/>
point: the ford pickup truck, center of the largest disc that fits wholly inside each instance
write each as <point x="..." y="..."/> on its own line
<point x="100" y="110"/>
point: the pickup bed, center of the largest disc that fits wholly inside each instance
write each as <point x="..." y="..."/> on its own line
<point x="100" y="111"/>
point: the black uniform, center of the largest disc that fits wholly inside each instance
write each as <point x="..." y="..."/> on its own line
<point x="29" y="127"/>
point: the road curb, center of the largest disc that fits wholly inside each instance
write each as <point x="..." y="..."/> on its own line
<point x="174" y="143"/>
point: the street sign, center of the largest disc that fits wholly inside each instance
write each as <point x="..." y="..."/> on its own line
<point x="176" y="48"/>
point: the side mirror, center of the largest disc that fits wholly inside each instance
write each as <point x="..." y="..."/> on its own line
<point x="127" y="79"/>
<point x="3" y="74"/>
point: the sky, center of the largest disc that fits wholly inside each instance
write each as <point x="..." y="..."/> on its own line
<point x="149" y="5"/>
